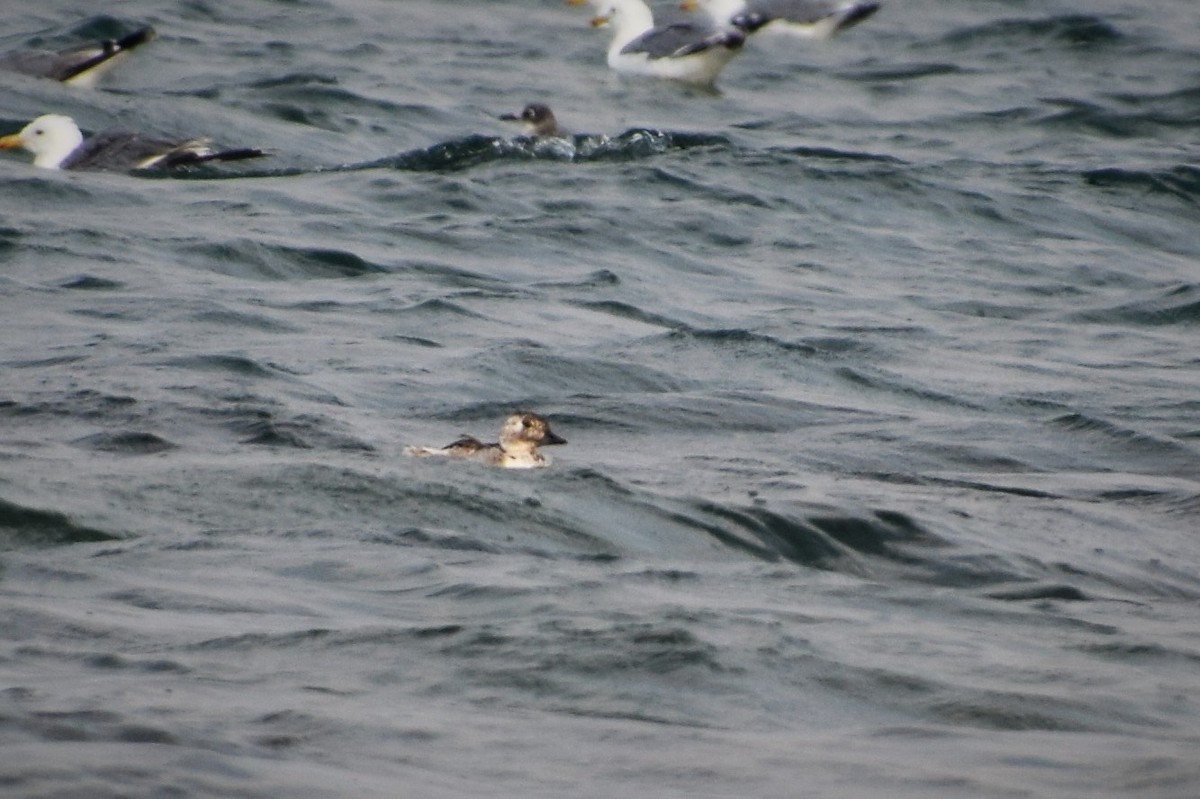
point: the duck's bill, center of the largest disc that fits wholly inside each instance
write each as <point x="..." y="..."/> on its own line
<point x="10" y="142"/>
<point x="552" y="438"/>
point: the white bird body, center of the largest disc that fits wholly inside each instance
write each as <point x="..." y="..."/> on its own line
<point x="681" y="51"/>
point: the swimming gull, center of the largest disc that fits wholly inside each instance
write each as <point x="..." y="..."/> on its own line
<point x="56" y="143"/>
<point x="811" y="19"/>
<point x="79" y="66"/>
<point x="681" y="51"/>
<point x="539" y="121"/>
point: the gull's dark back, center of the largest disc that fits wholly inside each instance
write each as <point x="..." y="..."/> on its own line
<point x="115" y="150"/>
<point x="123" y="150"/>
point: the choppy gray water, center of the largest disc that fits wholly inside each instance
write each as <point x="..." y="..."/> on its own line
<point x="879" y="370"/>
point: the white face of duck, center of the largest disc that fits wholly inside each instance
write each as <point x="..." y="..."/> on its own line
<point x="51" y="138"/>
<point x="527" y="431"/>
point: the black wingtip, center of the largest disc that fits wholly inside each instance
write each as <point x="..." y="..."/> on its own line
<point x="109" y="48"/>
<point x="137" y="38"/>
<point x="731" y="39"/>
<point x="860" y="12"/>
<point x="239" y="154"/>
<point x="751" y="21"/>
<point x="186" y="158"/>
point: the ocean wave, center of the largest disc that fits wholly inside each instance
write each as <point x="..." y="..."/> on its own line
<point x="260" y="260"/>
<point x="22" y="526"/>
<point x="1179" y="305"/>
<point x="1093" y="116"/>
<point x="472" y="151"/>
<point x="1076" y="30"/>
<point x="1181" y="182"/>
<point x="126" y="442"/>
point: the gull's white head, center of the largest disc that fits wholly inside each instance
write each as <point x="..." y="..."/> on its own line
<point x="630" y="16"/>
<point x="51" y="138"/>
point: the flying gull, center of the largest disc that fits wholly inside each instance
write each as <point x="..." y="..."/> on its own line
<point x="811" y="19"/>
<point x="56" y="143"/>
<point x="681" y="51"/>
<point x="78" y="66"/>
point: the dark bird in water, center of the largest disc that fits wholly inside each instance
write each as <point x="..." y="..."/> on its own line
<point x="538" y="120"/>
<point x="79" y="66"/>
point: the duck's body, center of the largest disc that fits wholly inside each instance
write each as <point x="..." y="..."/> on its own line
<point x="520" y="437"/>
<point x="78" y="66"/>
<point x="809" y="19"/>
<point x="680" y="51"/>
<point x="57" y="143"/>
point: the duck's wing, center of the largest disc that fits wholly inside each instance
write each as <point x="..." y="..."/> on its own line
<point x="465" y="442"/>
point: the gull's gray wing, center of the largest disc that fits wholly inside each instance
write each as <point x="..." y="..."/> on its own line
<point x="682" y="39"/>
<point x="115" y="151"/>
<point x="124" y="150"/>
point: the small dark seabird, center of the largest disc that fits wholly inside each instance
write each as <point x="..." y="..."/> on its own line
<point x="810" y="19"/>
<point x="539" y="121"/>
<point x="78" y="66"/>
<point x="520" y="437"/>
<point x="56" y="143"/>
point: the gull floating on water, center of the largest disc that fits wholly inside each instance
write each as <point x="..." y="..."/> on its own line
<point x="56" y="143"/>
<point x="520" y="437"/>
<point x="680" y="51"/>
<point x="78" y="66"/>
<point x="539" y="121"/>
<point x="811" y="19"/>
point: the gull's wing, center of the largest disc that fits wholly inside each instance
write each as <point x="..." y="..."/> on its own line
<point x="682" y="39"/>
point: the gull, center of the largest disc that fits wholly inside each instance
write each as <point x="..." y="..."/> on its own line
<point x="810" y="19"/>
<point x="78" y="66"/>
<point x="520" y="437"/>
<point x="56" y="143"/>
<point x="539" y="121"/>
<point x="680" y="51"/>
